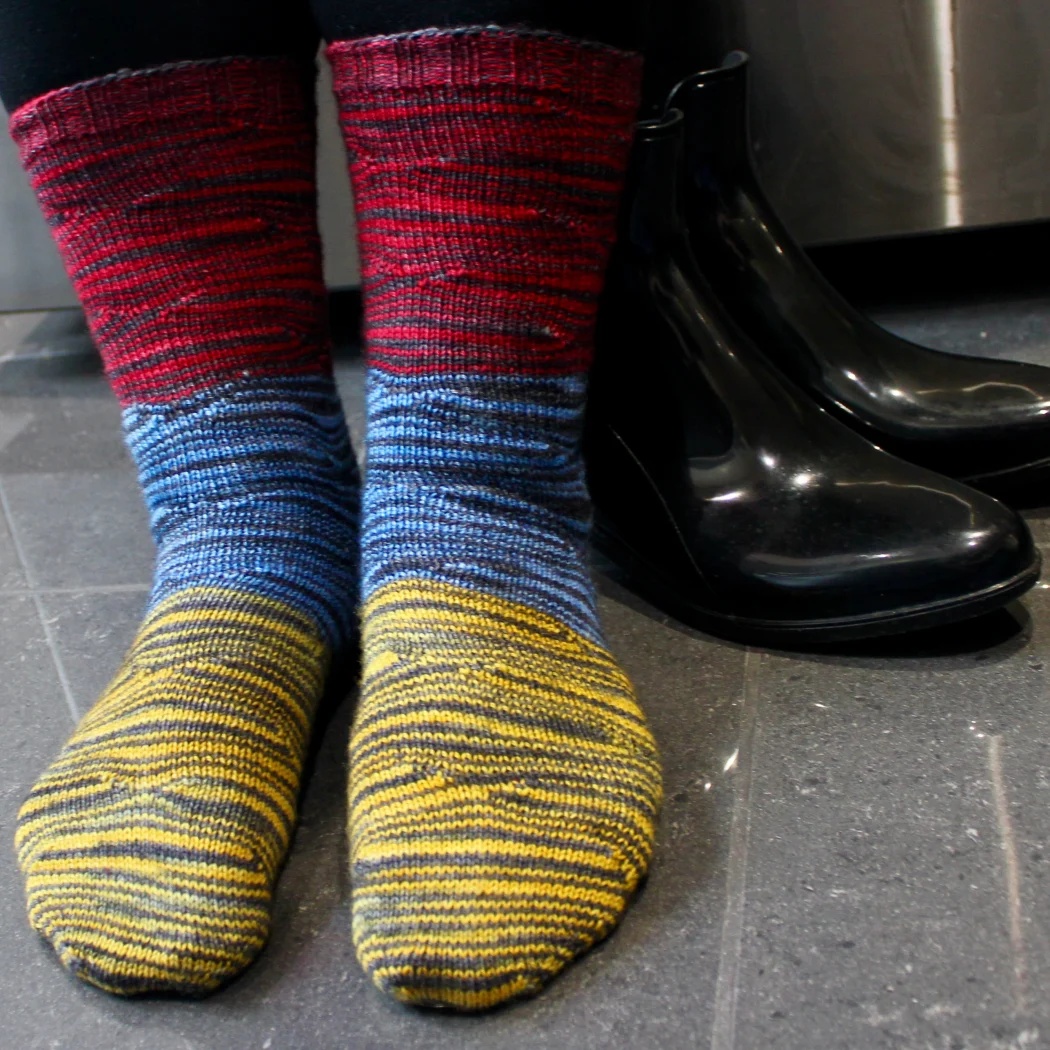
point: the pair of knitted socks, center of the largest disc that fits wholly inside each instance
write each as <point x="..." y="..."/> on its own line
<point x="503" y="782"/>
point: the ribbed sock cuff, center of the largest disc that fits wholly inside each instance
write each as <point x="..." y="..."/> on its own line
<point x="488" y="56"/>
<point x="262" y="92"/>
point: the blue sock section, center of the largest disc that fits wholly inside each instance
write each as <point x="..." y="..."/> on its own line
<point x="254" y="487"/>
<point x="478" y="481"/>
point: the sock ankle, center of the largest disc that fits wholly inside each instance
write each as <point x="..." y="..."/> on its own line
<point x="503" y="782"/>
<point x="182" y="200"/>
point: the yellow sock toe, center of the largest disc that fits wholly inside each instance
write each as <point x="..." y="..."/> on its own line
<point x="504" y="787"/>
<point x="151" y="846"/>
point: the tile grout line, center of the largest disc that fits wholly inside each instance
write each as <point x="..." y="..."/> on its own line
<point x="49" y="635"/>
<point x="723" y="1025"/>
<point x="1011" y="873"/>
<point x="47" y="355"/>
<point x="99" y="588"/>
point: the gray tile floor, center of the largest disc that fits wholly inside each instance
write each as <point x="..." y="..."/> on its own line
<point x="855" y="849"/>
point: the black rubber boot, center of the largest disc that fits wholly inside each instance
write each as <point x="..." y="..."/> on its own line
<point x="985" y="422"/>
<point x="734" y="502"/>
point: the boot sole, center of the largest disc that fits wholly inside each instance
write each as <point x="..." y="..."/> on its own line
<point x="654" y="587"/>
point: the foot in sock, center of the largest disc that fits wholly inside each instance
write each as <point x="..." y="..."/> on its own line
<point x="183" y="202"/>
<point x="504" y="785"/>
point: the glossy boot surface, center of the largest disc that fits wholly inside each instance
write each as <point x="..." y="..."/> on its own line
<point x="730" y="499"/>
<point x="983" y="421"/>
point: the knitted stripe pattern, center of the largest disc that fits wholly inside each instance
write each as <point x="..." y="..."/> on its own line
<point x="498" y="496"/>
<point x="152" y="843"/>
<point x="253" y="487"/>
<point x="182" y="200"/>
<point x="192" y="242"/>
<point x="487" y="255"/>
<point x="504" y="786"/>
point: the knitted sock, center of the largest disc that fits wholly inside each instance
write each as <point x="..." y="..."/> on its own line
<point x="503" y="781"/>
<point x="182" y="199"/>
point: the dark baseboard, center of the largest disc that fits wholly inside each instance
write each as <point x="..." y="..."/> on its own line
<point x="1001" y="262"/>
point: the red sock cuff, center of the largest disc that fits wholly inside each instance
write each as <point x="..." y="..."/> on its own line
<point x="484" y="56"/>
<point x="183" y="202"/>
<point x="268" y="92"/>
<point x="487" y="165"/>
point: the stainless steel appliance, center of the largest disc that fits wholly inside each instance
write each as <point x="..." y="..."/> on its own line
<point x="871" y="118"/>
<point x="882" y="117"/>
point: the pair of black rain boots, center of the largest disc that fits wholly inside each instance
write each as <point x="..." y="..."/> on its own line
<point x="765" y="462"/>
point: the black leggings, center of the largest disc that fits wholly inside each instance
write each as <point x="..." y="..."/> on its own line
<point x="48" y="44"/>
